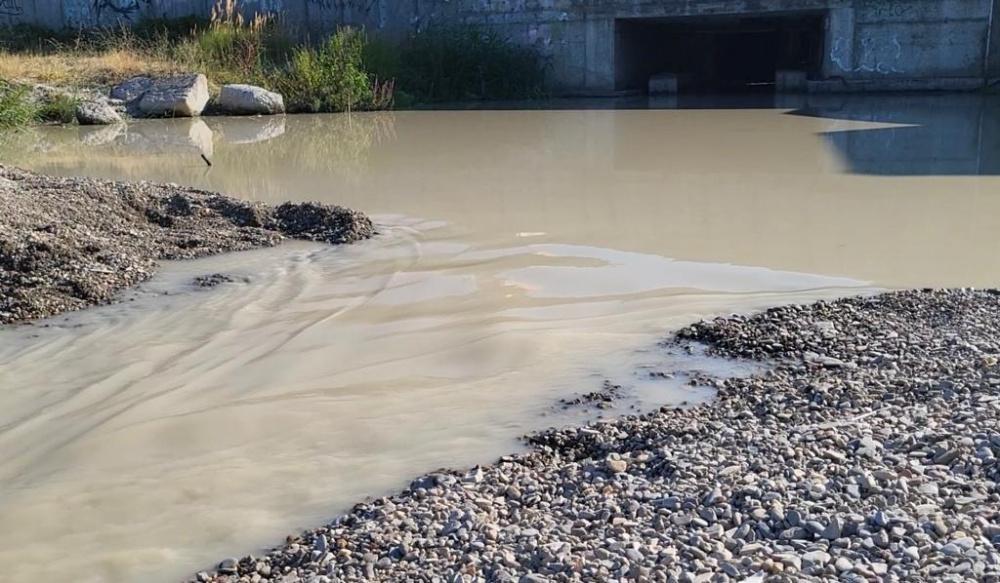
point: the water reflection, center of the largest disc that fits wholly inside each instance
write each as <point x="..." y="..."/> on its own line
<point x="754" y="187"/>
<point x="957" y="135"/>
<point x="250" y="130"/>
<point x="932" y="134"/>
<point x="939" y="134"/>
<point x="919" y="135"/>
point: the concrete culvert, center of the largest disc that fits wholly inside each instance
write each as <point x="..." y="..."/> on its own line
<point x="717" y="54"/>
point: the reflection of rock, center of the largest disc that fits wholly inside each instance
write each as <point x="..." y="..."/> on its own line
<point x="182" y="96"/>
<point x="250" y="100"/>
<point x="99" y="136"/>
<point x="201" y="136"/>
<point x="178" y="136"/>
<point x="248" y="130"/>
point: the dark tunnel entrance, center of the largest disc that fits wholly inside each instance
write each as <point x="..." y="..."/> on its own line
<point x="719" y="53"/>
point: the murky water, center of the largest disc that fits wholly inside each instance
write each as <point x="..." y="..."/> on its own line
<point x="524" y="256"/>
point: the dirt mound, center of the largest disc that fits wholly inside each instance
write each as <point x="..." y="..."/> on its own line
<point x="67" y="243"/>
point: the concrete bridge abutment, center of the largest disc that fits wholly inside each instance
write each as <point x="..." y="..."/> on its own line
<point x="604" y="46"/>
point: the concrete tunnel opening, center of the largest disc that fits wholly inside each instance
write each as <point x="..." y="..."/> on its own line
<point x="718" y="54"/>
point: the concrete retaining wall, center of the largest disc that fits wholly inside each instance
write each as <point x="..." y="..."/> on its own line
<point x="869" y="44"/>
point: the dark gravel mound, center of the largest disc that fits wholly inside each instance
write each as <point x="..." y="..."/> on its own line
<point x="67" y="243"/>
<point x="319" y="222"/>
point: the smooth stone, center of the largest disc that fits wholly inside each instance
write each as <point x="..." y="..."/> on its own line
<point x="816" y="558"/>
<point x="616" y="466"/>
<point x="181" y="96"/>
<point x="228" y="566"/>
<point x="242" y="99"/>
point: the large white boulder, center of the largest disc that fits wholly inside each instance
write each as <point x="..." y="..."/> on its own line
<point x="183" y="96"/>
<point x="131" y="89"/>
<point x="241" y="99"/>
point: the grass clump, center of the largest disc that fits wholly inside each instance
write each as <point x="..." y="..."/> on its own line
<point x="58" y="108"/>
<point x="232" y="49"/>
<point x="17" y="109"/>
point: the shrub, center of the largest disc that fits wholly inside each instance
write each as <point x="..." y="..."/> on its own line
<point x="330" y="77"/>
<point x="459" y="63"/>
<point x="16" y="106"/>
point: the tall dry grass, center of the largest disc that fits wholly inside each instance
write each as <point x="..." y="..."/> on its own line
<point x="82" y="69"/>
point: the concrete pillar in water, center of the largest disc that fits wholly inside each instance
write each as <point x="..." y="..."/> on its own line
<point x="600" y="55"/>
<point x="787" y="81"/>
<point x="838" y="57"/>
<point x="663" y="84"/>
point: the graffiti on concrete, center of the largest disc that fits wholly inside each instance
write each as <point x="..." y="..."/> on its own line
<point x="11" y="8"/>
<point x="103" y="12"/>
<point x="878" y="54"/>
<point x="250" y="7"/>
<point x="839" y="55"/>
<point x="119" y="8"/>
<point x="362" y="6"/>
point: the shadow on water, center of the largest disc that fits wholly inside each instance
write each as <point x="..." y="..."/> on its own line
<point x="937" y="135"/>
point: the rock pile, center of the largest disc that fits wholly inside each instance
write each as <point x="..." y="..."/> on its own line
<point x="188" y="96"/>
<point x="66" y="243"/>
<point x="177" y="96"/>
<point x="869" y="451"/>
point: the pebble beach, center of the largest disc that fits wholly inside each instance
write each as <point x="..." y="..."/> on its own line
<point x="867" y="451"/>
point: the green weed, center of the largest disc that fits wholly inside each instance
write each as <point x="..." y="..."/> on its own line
<point x="16" y="106"/>
<point x="60" y="108"/>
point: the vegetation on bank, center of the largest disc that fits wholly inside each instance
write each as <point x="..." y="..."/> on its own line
<point x="457" y="64"/>
<point x="16" y="106"/>
<point x="347" y="70"/>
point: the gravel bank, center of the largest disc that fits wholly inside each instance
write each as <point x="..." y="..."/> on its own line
<point x="869" y="451"/>
<point x="68" y="243"/>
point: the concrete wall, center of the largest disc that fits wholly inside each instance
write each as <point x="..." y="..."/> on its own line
<point x="869" y="44"/>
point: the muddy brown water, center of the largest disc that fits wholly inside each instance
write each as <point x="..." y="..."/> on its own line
<point x="524" y="257"/>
